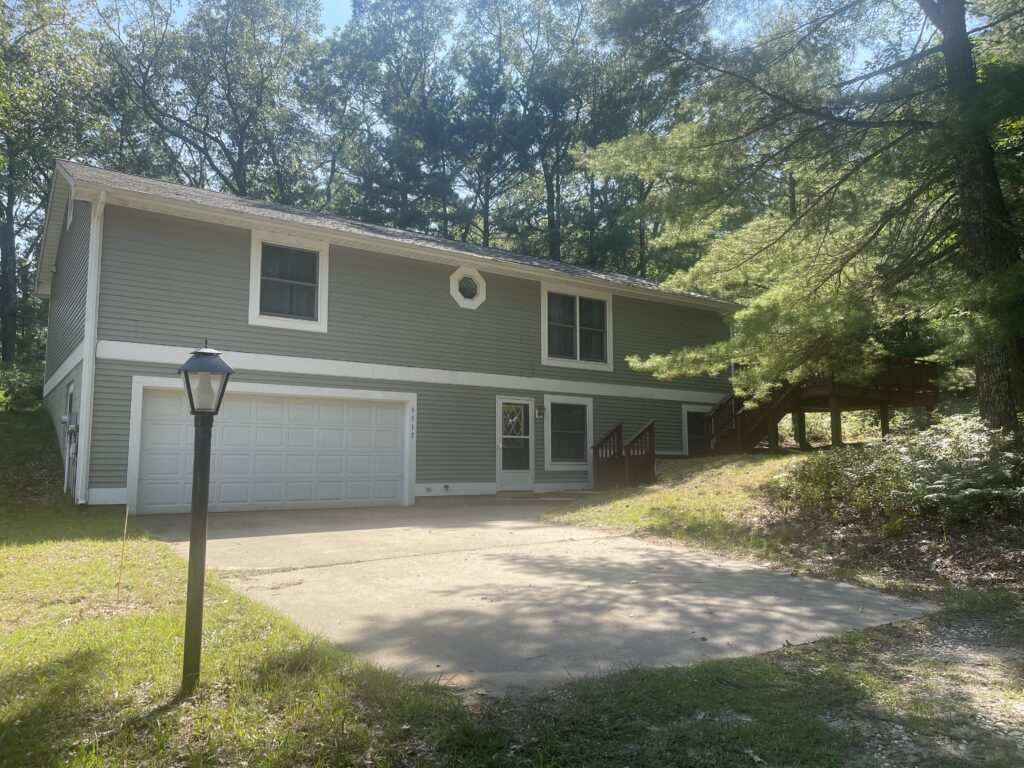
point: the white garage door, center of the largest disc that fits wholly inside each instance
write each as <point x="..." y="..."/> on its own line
<point x="273" y="452"/>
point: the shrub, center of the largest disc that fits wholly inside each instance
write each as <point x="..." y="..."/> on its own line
<point x="21" y="386"/>
<point x="956" y="471"/>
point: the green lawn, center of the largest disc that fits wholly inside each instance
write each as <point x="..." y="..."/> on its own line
<point x="88" y="674"/>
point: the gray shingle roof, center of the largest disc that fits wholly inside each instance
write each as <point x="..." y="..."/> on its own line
<point x="100" y="177"/>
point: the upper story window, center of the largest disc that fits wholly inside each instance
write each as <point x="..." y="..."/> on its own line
<point x="288" y="283"/>
<point x="576" y="328"/>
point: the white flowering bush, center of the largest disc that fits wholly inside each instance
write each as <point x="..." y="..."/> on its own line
<point x="956" y="471"/>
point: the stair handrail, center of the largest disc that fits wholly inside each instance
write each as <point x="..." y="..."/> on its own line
<point x="607" y="436"/>
<point x="609" y="458"/>
<point x="641" y="455"/>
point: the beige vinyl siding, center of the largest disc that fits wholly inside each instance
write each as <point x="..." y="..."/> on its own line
<point x="66" y="321"/>
<point x="167" y="280"/>
<point x="456" y="436"/>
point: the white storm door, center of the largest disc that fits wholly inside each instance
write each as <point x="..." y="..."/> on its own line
<point x="515" y="444"/>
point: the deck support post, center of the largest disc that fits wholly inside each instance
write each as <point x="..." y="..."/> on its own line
<point x="800" y="429"/>
<point x="836" y="420"/>
<point x="883" y="415"/>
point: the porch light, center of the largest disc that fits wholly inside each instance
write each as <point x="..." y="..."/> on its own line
<point x="206" y="379"/>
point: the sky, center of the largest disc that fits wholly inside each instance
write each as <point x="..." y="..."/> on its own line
<point x="335" y="13"/>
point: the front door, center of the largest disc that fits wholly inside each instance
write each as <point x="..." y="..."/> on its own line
<point x="515" y="445"/>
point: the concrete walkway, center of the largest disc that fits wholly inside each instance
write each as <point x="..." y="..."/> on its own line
<point x="487" y="596"/>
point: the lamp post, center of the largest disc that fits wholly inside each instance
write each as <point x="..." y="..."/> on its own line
<point x="206" y="378"/>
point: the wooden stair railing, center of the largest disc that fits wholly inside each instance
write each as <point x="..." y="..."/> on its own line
<point x="609" y="459"/>
<point x="732" y="425"/>
<point x="641" y="456"/>
<point x="618" y="462"/>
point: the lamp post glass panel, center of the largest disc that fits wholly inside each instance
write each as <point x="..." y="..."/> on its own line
<point x="206" y="378"/>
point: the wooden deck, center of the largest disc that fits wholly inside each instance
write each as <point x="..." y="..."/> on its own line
<point x="732" y="425"/>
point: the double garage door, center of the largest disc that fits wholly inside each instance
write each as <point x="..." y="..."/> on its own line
<point x="274" y="452"/>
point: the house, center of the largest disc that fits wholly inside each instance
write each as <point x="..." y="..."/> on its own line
<point x="374" y="366"/>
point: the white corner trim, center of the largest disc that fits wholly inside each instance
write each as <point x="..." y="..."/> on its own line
<point x="89" y="345"/>
<point x="322" y="248"/>
<point x="456" y="489"/>
<point x="141" y="383"/>
<point x="547" y="287"/>
<point x="108" y="496"/>
<point x="64" y="369"/>
<point x="481" y="287"/>
<point x="160" y="354"/>
<point x="561" y="466"/>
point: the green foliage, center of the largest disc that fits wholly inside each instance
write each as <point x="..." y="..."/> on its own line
<point x="21" y="385"/>
<point x="812" y="173"/>
<point x="956" y="471"/>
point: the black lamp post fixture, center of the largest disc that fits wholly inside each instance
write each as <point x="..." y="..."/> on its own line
<point x="206" y="378"/>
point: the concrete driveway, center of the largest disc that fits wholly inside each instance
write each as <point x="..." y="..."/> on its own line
<point x="488" y="596"/>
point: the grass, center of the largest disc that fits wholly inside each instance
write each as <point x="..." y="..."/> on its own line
<point x="704" y="502"/>
<point x="89" y="675"/>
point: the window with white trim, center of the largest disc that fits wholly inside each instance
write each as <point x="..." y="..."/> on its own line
<point x="576" y="329"/>
<point x="568" y="432"/>
<point x="288" y="283"/>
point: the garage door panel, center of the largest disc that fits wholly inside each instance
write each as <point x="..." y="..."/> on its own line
<point x="235" y="435"/>
<point x="359" y="415"/>
<point x="331" y="438"/>
<point x="237" y="409"/>
<point x="268" y="492"/>
<point x="233" y="493"/>
<point x="274" y="452"/>
<point x="301" y="437"/>
<point x="269" y="437"/>
<point x="385" y="465"/>
<point x="332" y="414"/>
<point x="268" y="464"/>
<point x="387" y="417"/>
<point x="235" y="464"/>
<point x="301" y="412"/>
<point x="299" y="464"/>
<point x="358" y="491"/>
<point x="386" y="489"/>
<point x="270" y="411"/>
<point x="360" y="438"/>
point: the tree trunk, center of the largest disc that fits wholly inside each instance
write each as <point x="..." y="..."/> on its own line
<point x="551" y="209"/>
<point x="485" y="216"/>
<point x="8" y="292"/>
<point x="987" y="242"/>
<point x="1017" y="371"/>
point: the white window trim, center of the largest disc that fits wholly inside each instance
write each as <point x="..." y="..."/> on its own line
<point x="564" y="466"/>
<point x="481" y="287"/>
<point x="322" y="280"/>
<point x="561" y="362"/>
